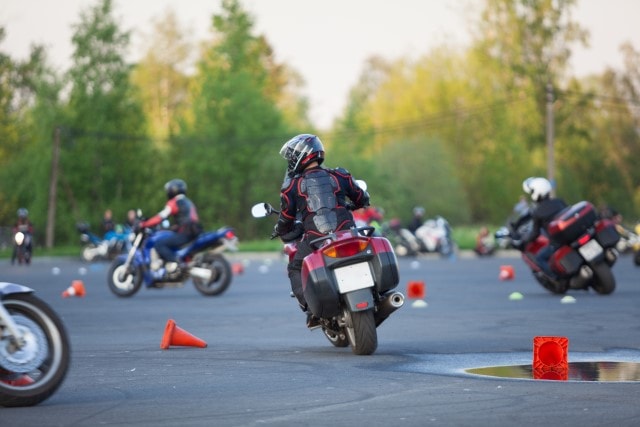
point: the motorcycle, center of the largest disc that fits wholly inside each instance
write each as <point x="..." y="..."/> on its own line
<point x="629" y="241"/>
<point x="34" y="348"/>
<point x="434" y="236"/>
<point x="348" y="283"/>
<point x="586" y="249"/>
<point x="96" y="248"/>
<point x="209" y="270"/>
<point x="22" y="245"/>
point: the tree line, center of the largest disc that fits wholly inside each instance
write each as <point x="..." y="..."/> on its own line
<point x="455" y="130"/>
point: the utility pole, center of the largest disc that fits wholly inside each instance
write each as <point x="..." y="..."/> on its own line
<point x="53" y="187"/>
<point x="551" y="172"/>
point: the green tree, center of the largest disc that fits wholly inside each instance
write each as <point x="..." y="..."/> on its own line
<point x="106" y="158"/>
<point x="161" y="77"/>
<point x="28" y="103"/>
<point x="230" y="144"/>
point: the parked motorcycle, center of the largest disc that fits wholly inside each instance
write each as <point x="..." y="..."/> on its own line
<point x="434" y="236"/>
<point x="586" y="249"/>
<point x="96" y="248"/>
<point x="34" y="348"/>
<point x="209" y="270"/>
<point x="348" y="283"/>
<point x="22" y="245"/>
<point x="629" y="241"/>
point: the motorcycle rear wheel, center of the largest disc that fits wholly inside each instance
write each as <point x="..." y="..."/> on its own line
<point x="221" y="275"/>
<point x="603" y="281"/>
<point x="361" y="332"/>
<point x="30" y="376"/>
<point x="122" y="282"/>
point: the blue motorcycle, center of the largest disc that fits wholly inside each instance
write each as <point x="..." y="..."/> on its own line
<point x="203" y="262"/>
<point x="96" y="248"/>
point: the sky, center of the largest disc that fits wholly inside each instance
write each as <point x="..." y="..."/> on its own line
<point x="326" y="41"/>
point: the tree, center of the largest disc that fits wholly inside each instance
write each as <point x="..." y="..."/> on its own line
<point x="228" y="144"/>
<point x="161" y="77"/>
<point x="29" y="102"/>
<point x="105" y="155"/>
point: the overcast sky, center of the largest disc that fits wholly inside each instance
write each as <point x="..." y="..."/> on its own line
<point x="327" y="41"/>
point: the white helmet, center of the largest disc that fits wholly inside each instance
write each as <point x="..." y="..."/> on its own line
<point x="538" y="188"/>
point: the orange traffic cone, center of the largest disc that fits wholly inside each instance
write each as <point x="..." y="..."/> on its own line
<point x="506" y="272"/>
<point x="174" y="335"/>
<point x="416" y="290"/>
<point x="237" y="268"/>
<point x="550" y="358"/>
<point x="76" y="289"/>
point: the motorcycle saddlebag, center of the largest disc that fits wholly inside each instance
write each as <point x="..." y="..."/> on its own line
<point x="384" y="265"/>
<point x="318" y="287"/>
<point x="608" y="236"/>
<point x="572" y="222"/>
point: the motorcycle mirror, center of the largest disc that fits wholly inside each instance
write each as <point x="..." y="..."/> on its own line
<point x="362" y="184"/>
<point x="261" y="210"/>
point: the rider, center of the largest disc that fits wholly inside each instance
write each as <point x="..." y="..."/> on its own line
<point x="187" y="224"/>
<point x="544" y="209"/>
<point x="24" y="225"/>
<point x="313" y="203"/>
<point x="417" y="220"/>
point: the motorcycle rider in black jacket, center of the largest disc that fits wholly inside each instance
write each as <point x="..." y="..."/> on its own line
<point x="313" y="203"/>
<point x="544" y="210"/>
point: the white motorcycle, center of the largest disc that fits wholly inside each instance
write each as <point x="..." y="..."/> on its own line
<point x="433" y="236"/>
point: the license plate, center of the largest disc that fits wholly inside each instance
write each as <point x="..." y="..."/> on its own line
<point x="591" y="250"/>
<point x="353" y="277"/>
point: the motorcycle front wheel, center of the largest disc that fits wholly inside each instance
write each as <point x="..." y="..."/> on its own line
<point x="361" y="332"/>
<point x="32" y="373"/>
<point x="221" y="275"/>
<point x="123" y="282"/>
<point x="88" y="253"/>
<point x="338" y="339"/>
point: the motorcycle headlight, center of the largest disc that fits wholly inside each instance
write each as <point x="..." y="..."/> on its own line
<point x="19" y="238"/>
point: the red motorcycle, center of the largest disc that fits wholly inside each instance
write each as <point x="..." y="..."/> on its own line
<point x="586" y="249"/>
<point x="348" y="283"/>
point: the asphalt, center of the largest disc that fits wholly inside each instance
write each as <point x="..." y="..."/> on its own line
<point x="262" y="366"/>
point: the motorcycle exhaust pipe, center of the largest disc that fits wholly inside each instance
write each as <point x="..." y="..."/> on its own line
<point x="388" y="305"/>
<point x="201" y="273"/>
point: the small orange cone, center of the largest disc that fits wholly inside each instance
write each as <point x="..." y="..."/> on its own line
<point x="76" y="289"/>
<point x="506" y="272"/>
<point x="550" y="358"/>
<point x="416" y="290"/>
<point x="237" y="268"/>
<point x="174" y="335"/>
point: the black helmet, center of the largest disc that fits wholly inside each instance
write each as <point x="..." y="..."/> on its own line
<point x="302" y="150"/>
<point x="175" y="187"/>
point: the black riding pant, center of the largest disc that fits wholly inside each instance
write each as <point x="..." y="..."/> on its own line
<point x="167" y="246"/>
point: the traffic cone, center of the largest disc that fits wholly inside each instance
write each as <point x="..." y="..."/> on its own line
<point x="76" y="289"/>
<point x="416" y="290"/>
<point x="550" y="358"/>
<point x="237" y="268"/>
<point x="506" y="272"/>
<point x="174" y="335"/>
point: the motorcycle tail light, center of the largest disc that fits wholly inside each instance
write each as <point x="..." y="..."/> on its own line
<point x="347" y="249"/>
<point x="584" y="239"/>
<point x="229" y="235"/>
